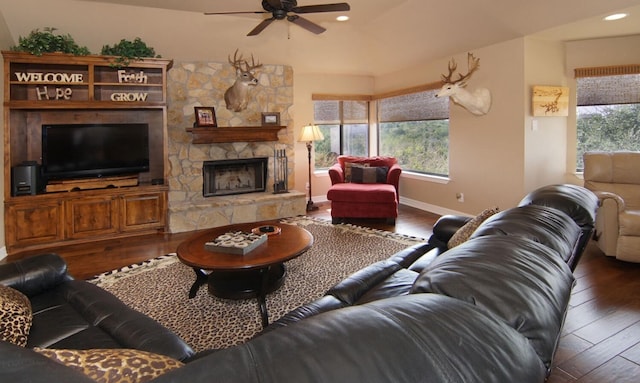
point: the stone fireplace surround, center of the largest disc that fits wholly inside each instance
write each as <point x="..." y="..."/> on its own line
<point x="191" y="84"/>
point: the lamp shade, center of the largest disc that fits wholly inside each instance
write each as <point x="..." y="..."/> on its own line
<point x="311" y="133"/>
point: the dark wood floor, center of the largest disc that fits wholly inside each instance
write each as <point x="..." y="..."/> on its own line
<point x="601" y="337"/>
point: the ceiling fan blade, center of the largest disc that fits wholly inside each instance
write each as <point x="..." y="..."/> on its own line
<point x="235" y="13"/>
<point x="260" y="27"/>
<point x="306" y="24"/>
<point x="337" y="7"/>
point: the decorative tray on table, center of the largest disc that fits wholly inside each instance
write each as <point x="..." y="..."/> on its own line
<point x="237" y="242"/>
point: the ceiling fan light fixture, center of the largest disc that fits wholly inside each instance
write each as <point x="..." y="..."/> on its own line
<point x="616" y="16"/>
<point x="281" y="9"/>
<point x="342" y="18"/>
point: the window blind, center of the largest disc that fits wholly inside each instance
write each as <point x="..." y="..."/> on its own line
<point x="420" y="106"/>
<point x="336" y="112"/>
<point x="608" y="85"/>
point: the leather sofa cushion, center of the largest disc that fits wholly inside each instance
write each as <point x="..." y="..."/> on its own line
<point x="80" y="315"/>
<point x="320" y="305"/>
<point x="541" y="224"/>
<point x="523" y="282"/>
<point x="415" y="338"/>
<point x="358" y="193"/>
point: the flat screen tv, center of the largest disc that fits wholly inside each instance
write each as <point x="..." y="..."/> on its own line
<point x="94" y="150"/>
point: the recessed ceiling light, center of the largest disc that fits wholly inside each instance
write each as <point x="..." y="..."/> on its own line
<point x="616" y="16"/>
<point x="342" y="18"/>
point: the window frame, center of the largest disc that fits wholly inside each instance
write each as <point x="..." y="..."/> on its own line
<point x="430" y="115"/>
<point x="609" y="100"/>
<point x="343" y="123"/>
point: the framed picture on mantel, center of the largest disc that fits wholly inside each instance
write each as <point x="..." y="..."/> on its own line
<point x="205" y="117"/>
<point x="271" y="118"/>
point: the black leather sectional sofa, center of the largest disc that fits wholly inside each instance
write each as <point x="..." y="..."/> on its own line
<point x="488" y="310"/>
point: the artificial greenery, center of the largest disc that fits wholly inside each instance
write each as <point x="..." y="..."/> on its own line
<point x="46" y="41"/>
<point x="128" y="51"/>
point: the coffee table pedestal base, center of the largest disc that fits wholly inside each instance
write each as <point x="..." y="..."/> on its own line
<point x="242" y="284"/>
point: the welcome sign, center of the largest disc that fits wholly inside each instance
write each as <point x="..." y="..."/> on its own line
<point x="66" y="93"/>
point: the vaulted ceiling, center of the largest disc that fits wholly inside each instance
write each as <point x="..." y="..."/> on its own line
<point x="382" y="36"/>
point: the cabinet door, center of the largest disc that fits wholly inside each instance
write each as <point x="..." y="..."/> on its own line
<point x="143" y="211"/>
<point x="89" y="217"/>
<point x="32" y="224"/>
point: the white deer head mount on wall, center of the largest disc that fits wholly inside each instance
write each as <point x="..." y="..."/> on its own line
<point x="237" y="96"/>
<point x="478" y="102"/>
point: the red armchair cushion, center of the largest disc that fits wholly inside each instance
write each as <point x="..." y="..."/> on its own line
<point x="359" y="193"/>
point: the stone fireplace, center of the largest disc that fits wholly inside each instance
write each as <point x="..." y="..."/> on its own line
<point x="191" y="84"/>
<point x="237" y="176"/>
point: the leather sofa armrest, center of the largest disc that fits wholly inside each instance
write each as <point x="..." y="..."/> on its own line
<point x="36" y="274"/>
<point x="445" y="227"/>
<point x="603" y="196"/>
<point x="357" y="284"/>
<point x="336" y="174"/>
<point x="408" y="256"/>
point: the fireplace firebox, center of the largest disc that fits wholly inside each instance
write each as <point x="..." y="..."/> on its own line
<point x="234" y="176"/>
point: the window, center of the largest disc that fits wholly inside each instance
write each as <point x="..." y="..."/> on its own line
<point x="345" y="126"/>
<point x="414" y="128"/>
<point x="608" y="110"/>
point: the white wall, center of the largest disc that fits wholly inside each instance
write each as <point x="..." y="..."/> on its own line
<point x="545" y="137"/>
<point x="486" y="153"/>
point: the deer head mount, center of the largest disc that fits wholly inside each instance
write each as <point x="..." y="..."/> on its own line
<point x="237" y="96"/>
<point x="478" y="102"/>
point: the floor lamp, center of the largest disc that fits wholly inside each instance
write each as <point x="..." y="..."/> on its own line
<point x="309" y="134"/>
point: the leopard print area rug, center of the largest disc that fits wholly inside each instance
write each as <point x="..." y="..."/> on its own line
<point x="160" y="287"/>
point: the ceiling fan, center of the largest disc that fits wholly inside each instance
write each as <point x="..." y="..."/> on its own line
<point x="280" y="10"/>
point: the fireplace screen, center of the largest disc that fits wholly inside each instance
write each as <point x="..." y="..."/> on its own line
<point x="237" y="176"/>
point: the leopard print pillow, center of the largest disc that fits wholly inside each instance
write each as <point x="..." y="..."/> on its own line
<point x="114" y="365"/>
<point x="15" y="316"/>
<point x="463" y="233"/>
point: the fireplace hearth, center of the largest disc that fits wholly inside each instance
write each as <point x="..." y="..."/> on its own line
<point x="234" y="176"/>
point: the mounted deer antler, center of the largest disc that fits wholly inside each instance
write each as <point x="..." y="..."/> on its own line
<point x="237" y="96"/>
<point x="478" y="102"/>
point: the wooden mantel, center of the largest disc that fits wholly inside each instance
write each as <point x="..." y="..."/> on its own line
<point x="234" y="134"/>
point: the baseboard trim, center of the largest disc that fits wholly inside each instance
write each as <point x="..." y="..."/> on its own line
<point x="439" y="210"/>
<point x="429" y="207"/>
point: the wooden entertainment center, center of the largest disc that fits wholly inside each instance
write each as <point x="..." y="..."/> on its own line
<point x="64" y="89"/>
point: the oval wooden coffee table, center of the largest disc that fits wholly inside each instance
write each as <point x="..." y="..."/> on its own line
<point x="252" y="275"/>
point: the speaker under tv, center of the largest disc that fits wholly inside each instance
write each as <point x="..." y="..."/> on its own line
<point x="25" y="179"/>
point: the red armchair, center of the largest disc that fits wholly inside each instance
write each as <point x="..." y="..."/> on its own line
<point x="364" y="187"/>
